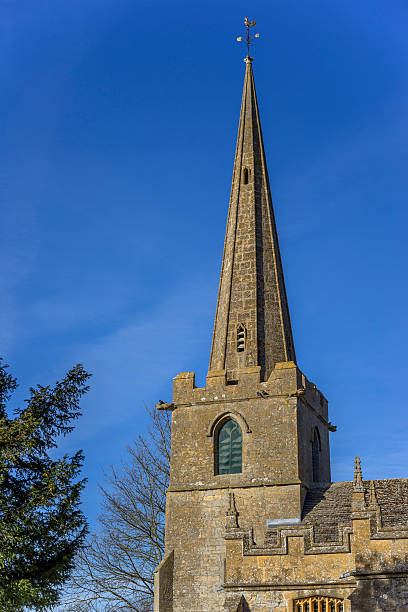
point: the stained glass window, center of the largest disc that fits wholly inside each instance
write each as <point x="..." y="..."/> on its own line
<point x="229" y="448"/>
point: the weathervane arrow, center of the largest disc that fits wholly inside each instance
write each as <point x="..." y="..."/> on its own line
<point x="248" y="38"/>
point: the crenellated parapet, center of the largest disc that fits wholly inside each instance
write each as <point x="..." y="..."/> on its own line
<point x="279" y="421"/>
<point x="306" y="532"/>
<point x="296" y="557"/>
<point x="286" y="380"/>
<point x="282" y="535"/>
<point x="372" y="542"/>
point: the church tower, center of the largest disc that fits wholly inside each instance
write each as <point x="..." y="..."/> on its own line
<point x="256" y="437"/>
<point x="253" y="521"/>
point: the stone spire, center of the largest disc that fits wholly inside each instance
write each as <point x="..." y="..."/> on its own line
<point x="252" y="323"/>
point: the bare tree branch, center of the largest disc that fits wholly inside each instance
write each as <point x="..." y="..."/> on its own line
<point x="115" y="571"/>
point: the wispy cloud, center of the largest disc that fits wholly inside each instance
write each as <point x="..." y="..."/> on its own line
<point x="66" y="311"/>
<point x="135" y="363"/>
<point x="18" y="247"/>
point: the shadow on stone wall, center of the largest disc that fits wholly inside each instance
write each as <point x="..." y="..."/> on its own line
<point x="382" y="583"/>
<point x="243" y="605"/>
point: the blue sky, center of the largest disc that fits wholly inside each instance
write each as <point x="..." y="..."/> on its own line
<point x="118" y="130"/>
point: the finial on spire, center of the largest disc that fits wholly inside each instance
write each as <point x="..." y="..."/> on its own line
<point x="358" y="475"/>
<point x="248" y="38"/>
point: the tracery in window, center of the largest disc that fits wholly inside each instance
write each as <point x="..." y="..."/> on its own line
<point x="316" y="449"/>
<point x="229" y="448"/>
<point x="319" y="604"/>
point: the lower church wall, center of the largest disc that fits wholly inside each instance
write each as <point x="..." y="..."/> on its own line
<point x="195" y="529"/>
<point x="211" y="567"/>
<point x="383" y="594"/>
<point x="371" y="594"/>
<point x="281" y="600"/>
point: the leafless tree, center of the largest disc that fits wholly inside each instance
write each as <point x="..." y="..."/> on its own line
<point x="115" y="571"/>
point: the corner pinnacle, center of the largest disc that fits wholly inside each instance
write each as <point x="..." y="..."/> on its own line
<point x="358" y="475"/>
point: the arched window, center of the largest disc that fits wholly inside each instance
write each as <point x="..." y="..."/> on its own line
<point x="316" y="448"/>
<point x="229" y="448"/>
<point x="246" y="176"/>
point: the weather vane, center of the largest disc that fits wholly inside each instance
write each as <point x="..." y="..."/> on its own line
<point x="248" y="38"/>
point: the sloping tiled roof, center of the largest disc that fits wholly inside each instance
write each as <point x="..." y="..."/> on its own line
<point x="392" y="495"/>
<point x="326" y="507"/>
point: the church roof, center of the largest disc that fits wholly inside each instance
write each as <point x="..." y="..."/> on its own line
<point x="252" y="323"/>
<point x="328" y="507"/>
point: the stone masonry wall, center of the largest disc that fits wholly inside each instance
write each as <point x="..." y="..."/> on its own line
<point x="269" y="487"/>
<point x="196" y="523"/>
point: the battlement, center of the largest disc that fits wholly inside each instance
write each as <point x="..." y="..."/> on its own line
<point x="363" y="546"/>
<point x="286" y="380"/>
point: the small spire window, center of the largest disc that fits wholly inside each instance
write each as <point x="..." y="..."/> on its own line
<point x="246" y="176"/>
<point x="241" y="338"/>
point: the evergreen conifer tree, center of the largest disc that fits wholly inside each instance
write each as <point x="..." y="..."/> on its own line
<point x="41" y="524"/>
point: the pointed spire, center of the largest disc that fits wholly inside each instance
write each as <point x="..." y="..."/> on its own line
<point x="252" y="323"/>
